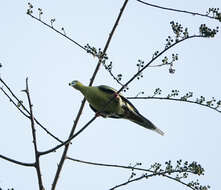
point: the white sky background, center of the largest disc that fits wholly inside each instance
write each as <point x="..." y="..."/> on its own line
<point x="50" y="61"/>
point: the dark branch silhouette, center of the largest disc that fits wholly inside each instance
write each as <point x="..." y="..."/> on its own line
<point x="17" y="162"/>
<point x="59" y="32"/>
<point x="156" y="170"/>
<point x="20" y="105"/>
<point x="218" y="16"/>
<point x="175" y="99"/>
<point x="37" y="155"/>
<point x="68" y="140"/>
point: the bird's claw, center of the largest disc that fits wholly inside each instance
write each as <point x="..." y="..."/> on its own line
<point x="98" y="114"/>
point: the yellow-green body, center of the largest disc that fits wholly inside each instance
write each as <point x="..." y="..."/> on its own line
<point x="105" y="101"/>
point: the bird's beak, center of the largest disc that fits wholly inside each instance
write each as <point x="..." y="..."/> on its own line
<point x="69" y="83"/>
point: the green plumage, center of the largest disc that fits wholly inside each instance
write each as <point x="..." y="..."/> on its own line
<point x="105" y="101"/>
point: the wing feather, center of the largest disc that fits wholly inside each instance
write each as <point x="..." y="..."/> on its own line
<point x="107" y="89"/>
<point x="129" y="104"/>
<point x="110" y="90"/>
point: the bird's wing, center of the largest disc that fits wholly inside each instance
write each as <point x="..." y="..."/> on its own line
<point x="112" y="91"/>
<point x="126" y="103"/>
<point x="129" y="105"/>
<point x="107" y="89"/>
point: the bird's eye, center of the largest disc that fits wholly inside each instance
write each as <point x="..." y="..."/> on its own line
<point x="74" y="83"/>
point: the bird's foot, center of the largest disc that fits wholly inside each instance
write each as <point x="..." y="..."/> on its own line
<point x="97" y="114"/>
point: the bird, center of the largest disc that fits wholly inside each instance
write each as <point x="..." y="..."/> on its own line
<point x="108" y="103"/>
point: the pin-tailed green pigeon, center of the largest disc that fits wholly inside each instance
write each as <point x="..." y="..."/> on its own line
<point x="105" y="101"/>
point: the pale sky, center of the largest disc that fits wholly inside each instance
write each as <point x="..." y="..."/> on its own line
<point x="29" y="49"/>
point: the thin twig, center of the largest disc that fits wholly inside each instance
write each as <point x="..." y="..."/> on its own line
<point x="176" y="10"/>
<point x="109" y="165"/>
<point x="113" y="76"/>
<point x="129" y="181"/>
<point x="11" y="100"/>
<point x="47" y="131"/>
<point x="159" y="65"/>
<point x="152" y="175"/>
<point x="179" y="181"/>
<point x="13" y="95"/>
<point x="63" y="34"/>
<point x="65" y="143"/>
<point x="37" y="160"/>
<point x="174" y="99"/>
<point x="24" y="108"/>
<point x="17" y="162"/>
<point x="60" y="165"/>
<point x="163" y="173"/>
<point x="154" y="58"/>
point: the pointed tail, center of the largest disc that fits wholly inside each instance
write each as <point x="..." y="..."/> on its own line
<point x="142" y="121"/>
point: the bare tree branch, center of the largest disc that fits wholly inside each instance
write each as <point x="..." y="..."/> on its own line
<point x="37" y="155"/>
<point x="109" y="165"/>
<point x="17" y="162"/>
<point x="128" y="182"/>
<point x="133" y="168"/>
<point x="154" y="58"/>
<point x="179" y="181"/>
<point x="65" y="143"/>
<point x="178" y="10"/>
<point x="13" y="95"/>
<point x="21" y="105"/>
<point x="173" y="99"/>
<point x="12" y="101"/>
<point x="145" y="176"/>
<point x="59" y="32"/>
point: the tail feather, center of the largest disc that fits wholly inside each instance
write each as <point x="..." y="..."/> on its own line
<point x="142" y="121"/>
<point x="159" y="131"/>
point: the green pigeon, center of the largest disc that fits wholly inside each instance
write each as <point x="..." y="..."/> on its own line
<point x="106" y="102"/>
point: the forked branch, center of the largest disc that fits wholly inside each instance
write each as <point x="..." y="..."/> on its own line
<point x="21" y="107"/>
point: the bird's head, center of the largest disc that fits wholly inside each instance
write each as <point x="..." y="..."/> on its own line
<point x="75" y="84"/>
